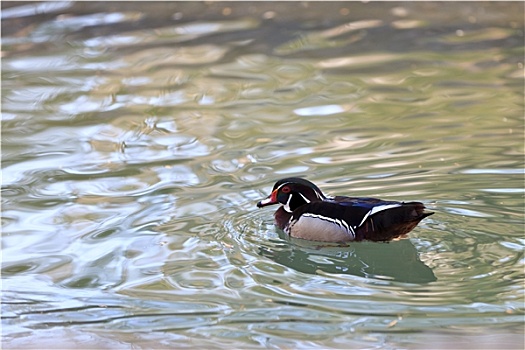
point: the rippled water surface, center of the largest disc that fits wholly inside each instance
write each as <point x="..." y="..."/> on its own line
<point x="137" y="138"/>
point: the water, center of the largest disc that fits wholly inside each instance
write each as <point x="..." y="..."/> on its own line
<point x="136" y="141"/>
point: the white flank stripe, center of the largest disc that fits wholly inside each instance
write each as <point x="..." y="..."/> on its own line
<point x="340" y="223"/>
<point x="377" y="210"/>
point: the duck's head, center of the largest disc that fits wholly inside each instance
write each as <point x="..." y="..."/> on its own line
<point x="293" y="192"/>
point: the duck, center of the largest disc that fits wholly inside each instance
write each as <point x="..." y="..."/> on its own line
<point x="307" y="213"/>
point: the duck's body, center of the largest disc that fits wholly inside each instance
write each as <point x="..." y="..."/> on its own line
<point x="308" y="214"/>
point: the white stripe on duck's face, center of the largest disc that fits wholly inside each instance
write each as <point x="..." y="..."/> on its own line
<point x="286" y="206"/>
<point x="316" y="227"/>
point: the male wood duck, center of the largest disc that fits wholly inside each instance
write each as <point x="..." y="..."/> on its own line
<point x="309" y="214"/>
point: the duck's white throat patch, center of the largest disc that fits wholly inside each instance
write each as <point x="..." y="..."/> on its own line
<point x="287" y="205"/>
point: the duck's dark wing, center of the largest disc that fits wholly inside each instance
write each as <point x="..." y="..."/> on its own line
<point x="351" y="213"/>
<point x="367" y="218"/>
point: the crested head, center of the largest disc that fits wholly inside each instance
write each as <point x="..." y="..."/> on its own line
<point x="293" y="192"/>
<point x="297" y="181"/>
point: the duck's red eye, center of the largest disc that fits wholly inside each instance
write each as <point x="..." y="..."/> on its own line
<point x="286" y="189"/>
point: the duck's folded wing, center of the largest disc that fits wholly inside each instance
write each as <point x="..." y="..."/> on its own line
<point x="352" y="213"/>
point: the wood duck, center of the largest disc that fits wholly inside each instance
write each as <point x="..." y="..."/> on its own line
<point x="309" y="214"/>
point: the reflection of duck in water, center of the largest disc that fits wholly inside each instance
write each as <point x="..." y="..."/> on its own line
<point x="396" y="261"/>
<point x="308" y="214"/>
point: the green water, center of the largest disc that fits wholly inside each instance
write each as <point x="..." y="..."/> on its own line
<point x="137" y="139"/>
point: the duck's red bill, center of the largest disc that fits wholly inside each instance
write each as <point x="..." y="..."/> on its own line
<point x="271" y="199"/>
